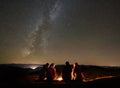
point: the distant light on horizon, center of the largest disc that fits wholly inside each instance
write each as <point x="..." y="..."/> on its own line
<point x="33" y="67"/>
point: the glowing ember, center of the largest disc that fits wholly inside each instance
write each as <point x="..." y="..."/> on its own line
<point x="104" y="77"/>
<point x="97" y="78"/>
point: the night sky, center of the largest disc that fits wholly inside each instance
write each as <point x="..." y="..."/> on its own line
<point x="40" y="31"/>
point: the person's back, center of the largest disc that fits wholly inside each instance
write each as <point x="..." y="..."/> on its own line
<point x="66" y="74"/>
<point x="77" y="73"/>
<point x="43" y="71"/>
<point x="51" y="72"/>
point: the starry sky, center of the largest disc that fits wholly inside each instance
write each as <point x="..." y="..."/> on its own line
<point x="40" y="31"/>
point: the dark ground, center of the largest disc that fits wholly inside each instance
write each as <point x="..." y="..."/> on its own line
<point x="101" y="83"/>
<point x="14" y="77"/>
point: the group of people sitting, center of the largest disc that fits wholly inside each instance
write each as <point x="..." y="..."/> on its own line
<point x="69" y="72"/>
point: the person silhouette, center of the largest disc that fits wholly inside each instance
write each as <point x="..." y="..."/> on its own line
<point x="51" y="73"/>
<point x="77" y="73"/>
<point x="43" y="71"/>
<point x="66" y="73"/>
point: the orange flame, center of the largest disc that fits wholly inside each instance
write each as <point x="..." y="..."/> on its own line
<point x="59" y="78"/>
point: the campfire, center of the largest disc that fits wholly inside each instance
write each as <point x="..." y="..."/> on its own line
<point x="59" y="78"/>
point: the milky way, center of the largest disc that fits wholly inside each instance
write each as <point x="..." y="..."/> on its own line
<point x="40" y="31"/>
